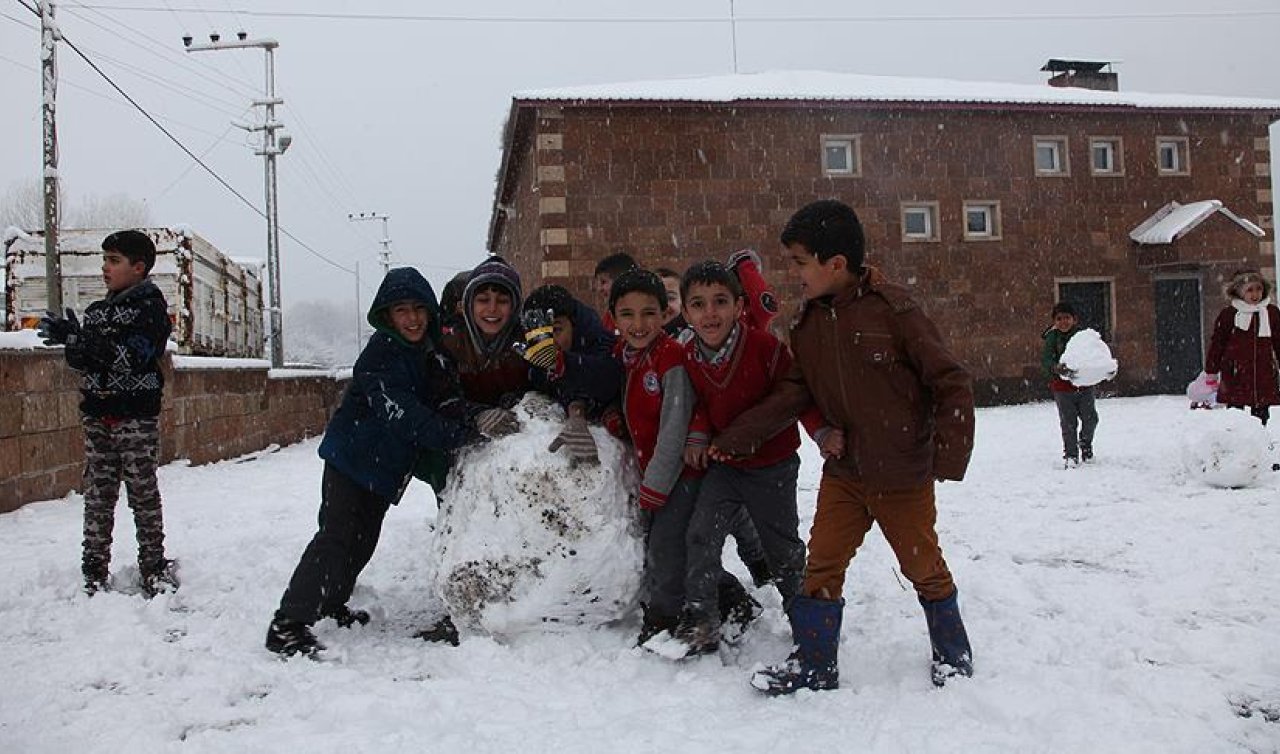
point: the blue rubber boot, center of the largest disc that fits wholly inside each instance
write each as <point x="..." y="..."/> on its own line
<point x="815" y="625"/>
<point x="951" y="653"/>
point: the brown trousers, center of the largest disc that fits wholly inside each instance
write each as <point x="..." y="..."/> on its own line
<point x="846" y="510"/>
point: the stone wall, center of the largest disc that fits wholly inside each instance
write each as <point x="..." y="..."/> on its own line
<point x="210" y="413"/>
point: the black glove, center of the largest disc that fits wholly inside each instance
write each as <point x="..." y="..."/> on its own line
<point x="1063" y="371"/>
<point x="496" y="422"/>
<point x="539" y="347"/>
<point x="57" y="330"/>
<point x="577" y="438"/>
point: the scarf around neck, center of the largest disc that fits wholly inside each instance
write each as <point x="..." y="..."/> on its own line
<point x="1245" y="312"/>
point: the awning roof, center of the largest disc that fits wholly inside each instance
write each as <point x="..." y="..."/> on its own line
<point x="1174" y="220"/>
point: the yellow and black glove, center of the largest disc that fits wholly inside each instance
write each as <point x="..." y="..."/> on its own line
<point x="539" y="347"/>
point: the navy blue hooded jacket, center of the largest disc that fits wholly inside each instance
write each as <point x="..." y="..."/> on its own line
<point x="403" y="398"/>
<point x="591" y="372"/>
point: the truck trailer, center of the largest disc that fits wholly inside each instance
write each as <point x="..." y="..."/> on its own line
<point x="215" y="302"/>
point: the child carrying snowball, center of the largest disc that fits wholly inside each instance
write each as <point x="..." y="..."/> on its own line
<point x="1077" y="412"/>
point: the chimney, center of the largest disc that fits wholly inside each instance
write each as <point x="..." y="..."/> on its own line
<point x="1083" y="74"/>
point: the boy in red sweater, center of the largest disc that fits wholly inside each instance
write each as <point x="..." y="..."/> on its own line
<point x="732" y="367"/>
<point x="658" y="401"/>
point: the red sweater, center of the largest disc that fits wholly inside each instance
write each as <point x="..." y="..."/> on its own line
<point x="657" y="401"/>
<point x="739" y="382"/>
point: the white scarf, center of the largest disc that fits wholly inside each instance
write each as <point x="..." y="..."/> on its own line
<point x="1245" y="312"/>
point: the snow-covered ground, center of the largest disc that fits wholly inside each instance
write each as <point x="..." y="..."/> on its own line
<point x="1121" y="606"/>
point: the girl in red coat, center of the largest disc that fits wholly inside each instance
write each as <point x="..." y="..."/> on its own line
<point x="1245" y="347"/>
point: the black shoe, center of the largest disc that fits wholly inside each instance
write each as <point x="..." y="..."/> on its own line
<point x="94" y="584"/>
<point x="159" y="579"/>
<point x="738" y="618"/>
<point x="288" y="637"/>
<point x="760" y="571"/>
<point x="1086" y="453"/>
<point x="1069" y="461"/>
<point x="345" y="617"/>
<point x="654" y="625"/>
<point x="443" y="632"/>
<point x="699" y="637"/>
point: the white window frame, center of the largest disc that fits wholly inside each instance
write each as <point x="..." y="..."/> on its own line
<point x="1058" y="145"/>
<point x="930" y="210"/>
<point x="1181" y="155"/>
<point x="852" y="144"/>
<point x="1116" y="146"/>
<point x="991" y="208"/>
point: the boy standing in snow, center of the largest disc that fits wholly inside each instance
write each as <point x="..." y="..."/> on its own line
<point x="902" y="407"/>
<point x="117" y="350"/>
<point x="732" y="367"/>
<point x="658" y="401"/>
<point x="1077" y="412"/>
<point x="403" y="400"/>
<point x="1245" y="347"/>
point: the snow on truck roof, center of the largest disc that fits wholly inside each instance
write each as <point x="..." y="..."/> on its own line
<point x="792" y="86"/>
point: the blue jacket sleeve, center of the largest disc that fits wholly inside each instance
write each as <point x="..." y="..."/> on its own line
<point x="387" y="381"/>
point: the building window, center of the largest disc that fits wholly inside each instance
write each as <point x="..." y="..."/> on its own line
<point x="981" y="220"/>
<point x="1051" y="155"/>
<point x="920" y="221"/>
<point x="1106" y="155"/>
<point x="1092" y="302"/>
<point x="1171" y="155"/>
<point x="840" y="155"/>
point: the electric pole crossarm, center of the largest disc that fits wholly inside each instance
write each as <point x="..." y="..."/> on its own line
<point x="384" y="256"/>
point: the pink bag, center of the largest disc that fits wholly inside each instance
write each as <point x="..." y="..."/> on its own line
<point x="1203" y="391"/>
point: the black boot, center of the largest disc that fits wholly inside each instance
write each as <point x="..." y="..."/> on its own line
<point x="442" y="631"/>
<point x="699" y="635"/>
<point x="951" y="653"/>
<point x="159" y="578"/>
<point x="346" y="617"/>
<point x="654" y="624"/>
<point x="760" y="571"/>
<point x="289" y="637"/>
<point x="815" y="625"/>
<point x="737" y="615"/>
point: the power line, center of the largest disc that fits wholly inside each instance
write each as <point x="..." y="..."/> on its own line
<point x="184" y="148"/>
<point x="948" y="18"/>
<point x="154" y="47"/>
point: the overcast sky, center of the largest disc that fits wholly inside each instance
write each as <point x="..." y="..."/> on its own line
<point x="401" y="111"/>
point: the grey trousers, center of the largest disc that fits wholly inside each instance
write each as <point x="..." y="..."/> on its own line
<point x="768" y="495"/>
<point x="666" y="561"/>
<point x="1076" y="410"/>
<point x="125" y="450"/>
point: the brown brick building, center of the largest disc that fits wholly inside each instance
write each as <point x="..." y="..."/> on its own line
<point x="990" y="200"/>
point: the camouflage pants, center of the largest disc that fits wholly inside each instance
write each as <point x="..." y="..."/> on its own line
<point x="125" y="450"/>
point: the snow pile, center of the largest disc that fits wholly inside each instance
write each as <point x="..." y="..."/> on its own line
<point x="1089" y="357"/>
<point x="526" y="543"/>
<point x="22" y="340"/>
<point x="13" y="233"/>
<point x="1226" y="449"/>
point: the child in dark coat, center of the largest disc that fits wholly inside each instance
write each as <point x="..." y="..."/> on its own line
<point x="117" y="351"/>
<point x="1245" y="347"/>
<point x="403" y="399"/>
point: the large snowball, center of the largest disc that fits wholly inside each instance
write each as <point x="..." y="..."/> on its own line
<point x="1225" y="448"/>
<point x="1089" y="356"/>
<point x="526" y="542"/>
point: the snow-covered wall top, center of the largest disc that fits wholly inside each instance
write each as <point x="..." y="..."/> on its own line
<point x="850" y="87"/>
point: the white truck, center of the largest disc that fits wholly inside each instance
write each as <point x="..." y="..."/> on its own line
<point x="215" y="303"/>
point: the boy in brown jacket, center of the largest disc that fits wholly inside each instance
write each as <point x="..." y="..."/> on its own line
<point x="879" y="372"/>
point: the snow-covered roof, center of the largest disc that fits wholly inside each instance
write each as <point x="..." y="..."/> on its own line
<point x="1174" y="220"/>
<point x="851" y="87"/>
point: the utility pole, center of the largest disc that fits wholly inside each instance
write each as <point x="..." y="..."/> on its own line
<point x="385" y="255"/>
<point x="271" y="148"/>
<point x="49" y="36"/>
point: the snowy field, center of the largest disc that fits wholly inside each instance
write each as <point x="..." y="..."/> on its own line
<point x="1120" y="607"/>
